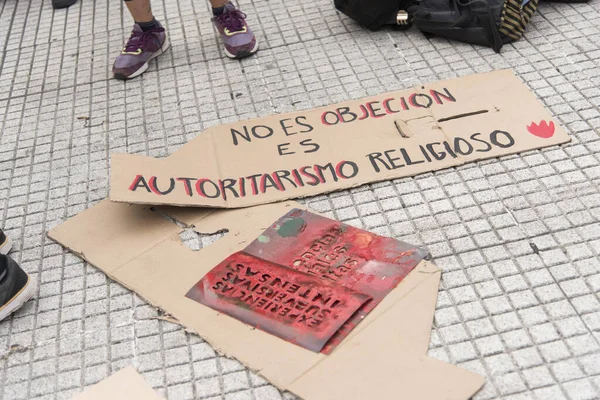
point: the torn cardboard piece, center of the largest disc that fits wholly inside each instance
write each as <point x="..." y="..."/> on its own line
<point x="308" y="279"/>
<point x="393" y="135"/>
<point x="142" y="250"/>
<point x="126" y="384"/>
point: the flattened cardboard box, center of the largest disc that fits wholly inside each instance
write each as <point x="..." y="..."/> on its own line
<point x="393" y="135"/>
<point x="126" y="384"/>
<point x="384" y="357"/>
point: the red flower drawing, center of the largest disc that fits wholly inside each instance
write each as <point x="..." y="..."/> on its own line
<point x="544" y="129"/>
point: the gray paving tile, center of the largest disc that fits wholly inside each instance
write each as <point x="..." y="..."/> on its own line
<point x="518" y="238"/>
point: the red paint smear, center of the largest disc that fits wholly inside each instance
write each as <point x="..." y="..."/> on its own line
<point x="135" y="182"/>
<point x="291" y="305"/>
<point x="544" y="130"/>
<point x="350" y="257"/>
<point x="152" y="184"/>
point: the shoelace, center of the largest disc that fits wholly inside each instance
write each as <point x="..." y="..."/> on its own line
<point x="232" y="20"/>
<point x="139" y="40"/>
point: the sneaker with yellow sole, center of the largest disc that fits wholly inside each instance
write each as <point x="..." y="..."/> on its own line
<point x="5" y="243"/>
<point x="16" y="287"/>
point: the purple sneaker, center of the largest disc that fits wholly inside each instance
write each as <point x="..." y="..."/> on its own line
<point x="139" y="50"/>
<point x="238" y="39"/>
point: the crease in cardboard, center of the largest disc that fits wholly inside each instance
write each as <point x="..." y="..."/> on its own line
<point x="166" y="216"/>
<point x="406" y="127"/>
<point x="218" y="164"/>
<point x="134" y="256"/>
<point x="187" y="217"/>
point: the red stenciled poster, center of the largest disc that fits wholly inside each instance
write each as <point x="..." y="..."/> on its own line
<point x="308" y="279"/>
<point x="294" y="306"/>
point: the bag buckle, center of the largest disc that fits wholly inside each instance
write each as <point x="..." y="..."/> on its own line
<point x="402" y="18"/>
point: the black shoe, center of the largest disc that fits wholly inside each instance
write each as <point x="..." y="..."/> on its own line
<point x="5" y="243"/>
<point x="16" y="287"/>
<point x="63" y="3"/>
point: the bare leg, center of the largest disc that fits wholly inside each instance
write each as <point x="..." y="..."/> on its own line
<point x="140" y="10"/>
<point x="218" y="3"/>
<point x="148" y="40"/>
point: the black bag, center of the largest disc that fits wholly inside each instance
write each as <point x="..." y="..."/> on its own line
<point x="374" y="14"/>
<point x="484" y="22"/>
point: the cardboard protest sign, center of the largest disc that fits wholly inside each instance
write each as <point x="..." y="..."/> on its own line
<point x="126" y="384"/>
<point x="382" y="357"/>
<point x="393" y="135"/>
<point x="343" y="274"/>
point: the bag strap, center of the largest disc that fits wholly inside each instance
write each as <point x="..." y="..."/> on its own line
<point x="491" y="31"/>
<point x="411" y="7"/>
<point x="481" y="9"/>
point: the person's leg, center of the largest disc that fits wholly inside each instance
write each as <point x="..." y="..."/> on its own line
<point x="218" y="6"/>
<point x="238" y="39"/>
<point x="147" y="41"/>
<point x="141" y="11"/>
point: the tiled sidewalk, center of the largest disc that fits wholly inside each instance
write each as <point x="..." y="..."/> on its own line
<point x="518" y="238"/>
